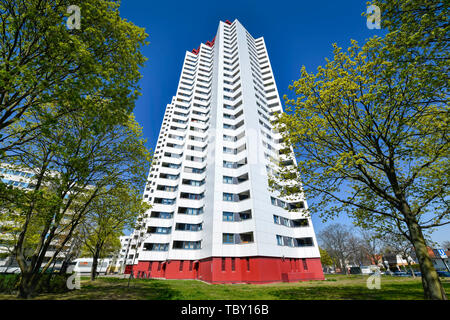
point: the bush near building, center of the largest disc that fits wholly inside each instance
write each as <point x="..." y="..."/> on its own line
<point x="49" y="283"/>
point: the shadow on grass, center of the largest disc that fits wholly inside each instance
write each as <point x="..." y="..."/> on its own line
<point x="117" y="289"/>
<point x="391" y="291"/>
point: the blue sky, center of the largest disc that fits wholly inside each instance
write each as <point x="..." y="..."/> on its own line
<point x="296" y="33"/>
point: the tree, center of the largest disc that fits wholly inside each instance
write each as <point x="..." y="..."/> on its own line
<point x="398" y="245"/>
<point x="43" y="63"/>
<point x="358" y="256"/>
<point x="110" y="245"/>
<point x="372" y="138"/>
<point x="72" y="252"/>
<point x="74" y="163"/>
<point x="106" y="219"/>
<point x="371" y="245"/>
<point x="325" y="258"/>
<point x="337" y="239"/>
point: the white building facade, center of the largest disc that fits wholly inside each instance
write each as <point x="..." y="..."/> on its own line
<point x="213" y="216"/>
<point x="120" y="258"/>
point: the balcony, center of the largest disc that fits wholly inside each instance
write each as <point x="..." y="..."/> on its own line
<point x="187" y="245"/>
<point x="231" y="197"/>
<point x="188" y="227"/>
<point x="192" y="196"/>
<point x="237" y="238"/>
<point x="237" y="216"/>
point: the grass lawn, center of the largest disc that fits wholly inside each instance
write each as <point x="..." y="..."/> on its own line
<point x="335" y="287"/>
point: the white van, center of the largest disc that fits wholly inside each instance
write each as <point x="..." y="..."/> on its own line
<point x="84" y="266"/>
<point x="369" y="269"/>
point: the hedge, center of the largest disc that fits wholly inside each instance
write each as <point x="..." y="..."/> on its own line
<point x="48" y="283"/>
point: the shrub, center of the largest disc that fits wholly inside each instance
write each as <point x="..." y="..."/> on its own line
<point x="9" y="283"/>
<point x="48" y="283"/>
<point x="52" y="283"/>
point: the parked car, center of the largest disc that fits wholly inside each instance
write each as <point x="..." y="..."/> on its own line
<point x="416" y="273"/>
<point x="400" y="274"/>
<point x="444" y="274"/>
<point x="369" y="269"/>
<point x="355" y="270"/>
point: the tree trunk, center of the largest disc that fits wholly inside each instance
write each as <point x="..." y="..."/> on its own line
<point x="27" y="285"/>
<point x="342" y="265"/>
<point x="430" y="280"/>
<point x="64" y="267"/>
<point x="94" y="267"/>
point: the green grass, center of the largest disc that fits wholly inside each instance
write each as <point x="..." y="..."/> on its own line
<point x="335" y="287"/>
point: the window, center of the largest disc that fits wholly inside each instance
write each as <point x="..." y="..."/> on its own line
<point x="188" y="227"/>
<point x="194" y="211"/>
<point x="290" y="223"/>
<point x="228" y="164"/>
<point x="227" y="180"/>
<point x="181" y="265"/>
<point x="188" y="245"/>
<point x="304" y="242"/>
<point x="228" y="238"/>
<point x="167" y="201"/>
<point x="162" y="230"/>
<point x="191" y="211"/>
<point x="190" y="265"/>
<point x="156" y="246"/>
<point x="227" y="196"/>
<point x="283" y="204"/>
<point x="245" y="215"/>
<point x="196" y="170"/>
<point x="233" y="264"/>
<point x="248" y="263"/>
<point x="228" y="216"/>
<point x="193" y="196"/>
<point x="165" y="215"/>
<point x="299" y="223"/>
<point x="246" y="237"/>
<point x="274" y="201"/>
<point x="228" y="150"/>
<point x="279" y="240"/>
<point x="223" y="264"/>
<point x="288" y="241"/>
<point x="196" y="183"/>
<point x="228" y="138"/>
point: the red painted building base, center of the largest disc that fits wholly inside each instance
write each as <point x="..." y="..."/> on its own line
<point x="128" y="269"/>
<point x="233" y="270"/>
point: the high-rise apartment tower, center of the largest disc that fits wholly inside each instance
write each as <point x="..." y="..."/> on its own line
<point x="213" y="216"/>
